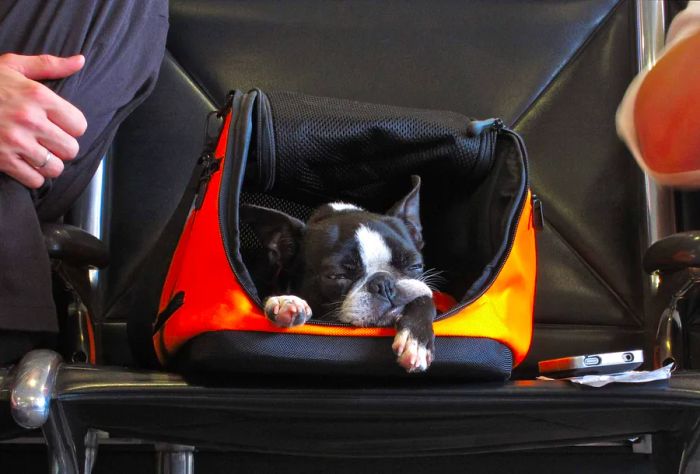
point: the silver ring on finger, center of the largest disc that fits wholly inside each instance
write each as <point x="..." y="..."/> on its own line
<point x="49" y="155"/>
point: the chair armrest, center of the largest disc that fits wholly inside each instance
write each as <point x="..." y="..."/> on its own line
<point x="678" y="257"/>
<point x="673" y="253"/>
<point x="74" y="246"/>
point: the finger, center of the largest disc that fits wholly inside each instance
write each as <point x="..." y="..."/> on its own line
<point x="44" y="66"/>
<point x="61" y="112"/>
<point x="20" y="170"/>
<point x="55" y="139"/>
<point x="43" y="161"/>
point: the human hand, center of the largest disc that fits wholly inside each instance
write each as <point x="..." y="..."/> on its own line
<point x="38" y="129"/>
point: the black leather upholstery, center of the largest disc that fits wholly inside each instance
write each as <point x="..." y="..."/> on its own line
<point x="554" y="70"/>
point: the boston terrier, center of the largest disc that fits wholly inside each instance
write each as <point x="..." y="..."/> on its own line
<point x="350" y="265"/>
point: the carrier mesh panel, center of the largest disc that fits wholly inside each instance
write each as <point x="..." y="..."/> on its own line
<point x="248" y="238"/>
<point x="339" y="149"/>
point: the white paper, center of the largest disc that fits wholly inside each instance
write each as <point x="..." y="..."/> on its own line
<point x="631" y="376"/>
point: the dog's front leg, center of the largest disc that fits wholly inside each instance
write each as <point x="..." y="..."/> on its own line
<point x="414" y="343"/>
<point x="287" y="310"/>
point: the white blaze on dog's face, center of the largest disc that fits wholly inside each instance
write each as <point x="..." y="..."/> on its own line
<point x="343" y="206"/>
<point x="374" y="251"/>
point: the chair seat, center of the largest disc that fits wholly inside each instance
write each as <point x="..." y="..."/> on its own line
<point x="349" y="417"/>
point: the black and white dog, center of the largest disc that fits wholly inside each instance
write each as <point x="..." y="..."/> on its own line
<point x="350" y="265"/>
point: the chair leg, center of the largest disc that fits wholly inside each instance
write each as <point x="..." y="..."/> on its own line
<point x="91" y="446"/>
<point x="54" y="466"/>
<point x="63" y="457"/>
<point x="174" y="459"/>
<point x="690" y="459"/>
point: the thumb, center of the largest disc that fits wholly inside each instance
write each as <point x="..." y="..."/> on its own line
<point x="45" y="66"/>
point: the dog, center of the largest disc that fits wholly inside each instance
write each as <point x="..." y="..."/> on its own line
<point x="353" y="266"/>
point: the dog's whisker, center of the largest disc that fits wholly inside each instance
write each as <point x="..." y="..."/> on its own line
<point x="334" y="310"/>
<point x="433" y="272"/>
<point x="432" y="278"/>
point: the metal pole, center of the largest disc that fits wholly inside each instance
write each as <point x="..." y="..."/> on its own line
<point x="651" y="23"/>
<point x="174" y="459"/>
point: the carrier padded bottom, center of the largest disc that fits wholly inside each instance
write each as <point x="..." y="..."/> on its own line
<point x="279" y="353"/>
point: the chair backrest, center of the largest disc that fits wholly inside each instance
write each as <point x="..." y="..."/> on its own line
<point x="553" y="71"/>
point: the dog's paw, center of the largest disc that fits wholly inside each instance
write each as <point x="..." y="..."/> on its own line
<point x="413" y="355"/>
<point x="287" y="311"/>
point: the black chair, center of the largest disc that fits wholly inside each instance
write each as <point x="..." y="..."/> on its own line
<point x="553" y="71"/>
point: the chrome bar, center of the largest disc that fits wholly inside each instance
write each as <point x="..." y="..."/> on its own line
<point x="651" y="21"/>
<point x="93" y="219"/>
<point x="32" y="389"/>
<point x="63" y="452"/>
<point x="174" y="459"/>
<point x="92" y="443"/>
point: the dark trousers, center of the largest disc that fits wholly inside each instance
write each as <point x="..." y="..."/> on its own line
<point x="123" y="42"/>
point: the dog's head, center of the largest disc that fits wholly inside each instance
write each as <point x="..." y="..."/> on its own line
<point x="349" y="264"/>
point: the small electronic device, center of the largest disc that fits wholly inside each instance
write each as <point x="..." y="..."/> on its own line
<point x="592" y="364"/>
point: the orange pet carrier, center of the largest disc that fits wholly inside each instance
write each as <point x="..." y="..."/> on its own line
<point x="294" y="152"/>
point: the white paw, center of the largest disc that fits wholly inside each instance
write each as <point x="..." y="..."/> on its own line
<point x="287" y="310"/>
<point x="412" y="355"/>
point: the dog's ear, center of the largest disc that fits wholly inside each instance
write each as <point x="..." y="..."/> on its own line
<point x="408" y="210"/>
<point x="280" y="233"/>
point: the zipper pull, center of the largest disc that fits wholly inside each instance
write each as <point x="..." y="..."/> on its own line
<point x="209" y="166"/>
<point x="477" y="127"/>
<point x="228" y="103"/>
<point x="214" y="121"/>
<point x="537" y="213"/>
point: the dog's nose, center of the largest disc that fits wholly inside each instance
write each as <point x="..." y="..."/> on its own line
<point x="382" y="284"/>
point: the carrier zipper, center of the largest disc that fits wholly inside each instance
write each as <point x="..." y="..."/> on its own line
<point x="261" y="151"/>
<point x="207" y="161"/>
<point x="511" y="233"/>
<point x="229" y="152"/>
<point x="271" y="171"/>
<point x="210" y="165"/>
<point x="537" y="212"/>
<point x="320" y="322"/>
<point x="478" y="127"/>
<point x="228" y="104"/>
<point x="266" y="146"/>
<point x="209" y="139"/>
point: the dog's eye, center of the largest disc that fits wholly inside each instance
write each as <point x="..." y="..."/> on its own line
<point x="337" y="276"/>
